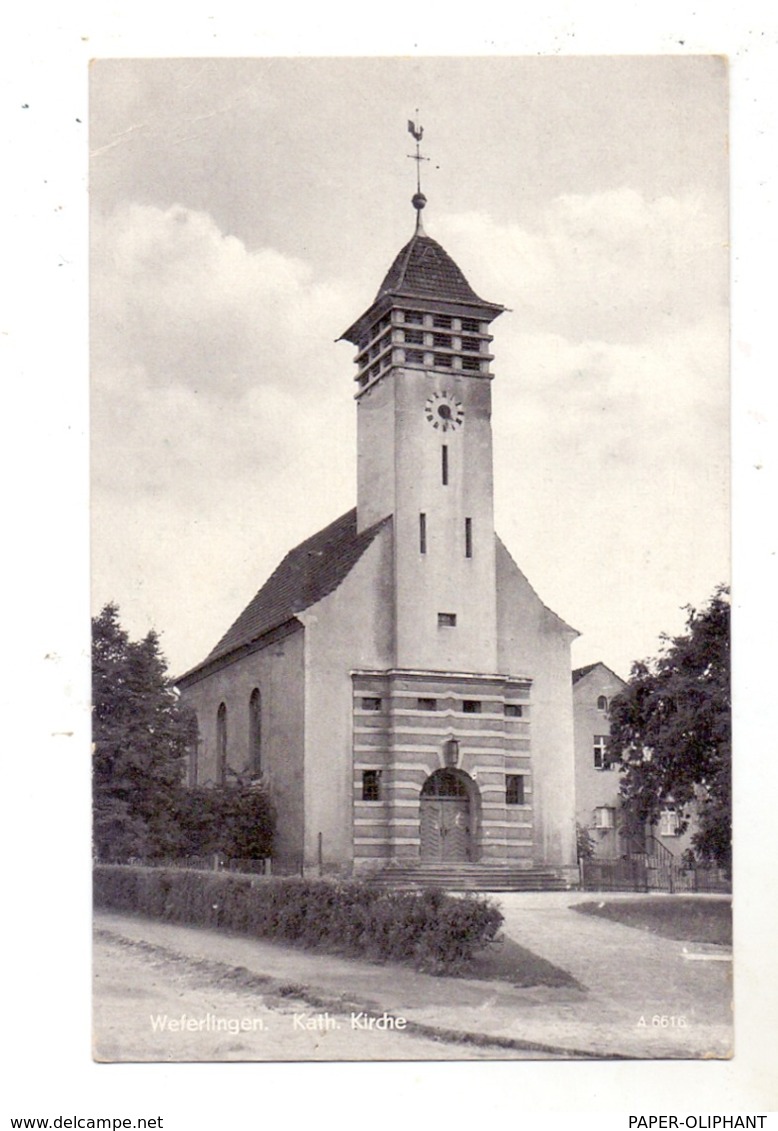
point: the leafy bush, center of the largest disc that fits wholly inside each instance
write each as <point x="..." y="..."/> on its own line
<point x="236" y="821"/>
<point x="432" y="931"/>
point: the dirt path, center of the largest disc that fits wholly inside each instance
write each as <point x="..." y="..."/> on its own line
<point x="151" y="1004"/>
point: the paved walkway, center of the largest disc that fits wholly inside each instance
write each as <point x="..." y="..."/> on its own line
<point x="642" y="996"/>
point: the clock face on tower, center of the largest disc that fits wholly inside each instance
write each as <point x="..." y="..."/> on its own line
<point x="444" y="411"/>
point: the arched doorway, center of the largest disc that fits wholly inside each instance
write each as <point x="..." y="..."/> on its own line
<point x="447" y="817"/>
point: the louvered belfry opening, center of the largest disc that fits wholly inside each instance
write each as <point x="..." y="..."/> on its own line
<point x="425" y="316"/>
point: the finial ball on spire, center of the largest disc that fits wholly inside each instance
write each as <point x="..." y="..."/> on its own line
<point x="418" y="201"/>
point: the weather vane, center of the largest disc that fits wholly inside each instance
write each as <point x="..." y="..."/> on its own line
<point x="419" y="200"/>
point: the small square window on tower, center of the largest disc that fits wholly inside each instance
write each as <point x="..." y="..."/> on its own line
<point x="447" y="620"/>
<point x="513" y="710"/>
<point x="371" y="703"/>
<point x="514" y="789"/>
<point x="471" y="706"/>
<point x="425" y="704"/>
<point x="371" y="785"/>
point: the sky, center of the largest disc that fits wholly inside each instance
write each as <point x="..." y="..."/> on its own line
<point x="244" y="213"/>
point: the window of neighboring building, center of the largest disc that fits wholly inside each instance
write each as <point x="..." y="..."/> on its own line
<point x="221" y="744"/>
<point x="669" y="822"/>
<point x="255" y="733"/>
<point x="514" y="789"/>
<point x="425" y="704"/>
<point x="604" y="817"/>
<point x="371" y="703"/>
<point x="371" y="785"/>
<point x="600" y="746"/>
<point x="602" y="703"/>
<point x="513" y="710"/>
<point x="471" y="706"/>
<point x="447" y="620"/>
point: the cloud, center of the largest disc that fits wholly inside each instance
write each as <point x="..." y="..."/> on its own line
<point x="613" y="265"/>
<point x="194" y="307"/>
<point x="224" y="426"/>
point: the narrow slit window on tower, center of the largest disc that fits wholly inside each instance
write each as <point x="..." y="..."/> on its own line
<point x="447" y="620"/>
<point x="444" y="464"/>
<point x="422" y="534"/>
<point x="468" y="537"/>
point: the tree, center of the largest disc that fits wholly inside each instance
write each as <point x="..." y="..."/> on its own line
<point x="671" y="729"/>
<point x="141" y="737"/>
<point x="235" y="821"/>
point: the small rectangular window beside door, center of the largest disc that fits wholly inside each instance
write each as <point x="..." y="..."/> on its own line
<point x="371" y="785"/>
<point x="514" y="789"/>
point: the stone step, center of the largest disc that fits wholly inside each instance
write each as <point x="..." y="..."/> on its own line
<point x="471" y="877"/>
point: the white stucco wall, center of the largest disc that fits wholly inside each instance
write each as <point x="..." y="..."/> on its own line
<point x="533" y="641"/>
<point x="351" y="628"/>
<point x="277" y="670"/>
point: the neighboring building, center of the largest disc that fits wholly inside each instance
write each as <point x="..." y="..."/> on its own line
<point x="598" y="805"/>
<point x="397" y="681"/>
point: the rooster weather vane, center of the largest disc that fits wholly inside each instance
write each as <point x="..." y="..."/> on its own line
<point x="419" y="199"/>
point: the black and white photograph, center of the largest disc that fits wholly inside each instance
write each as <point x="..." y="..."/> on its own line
<point x="388" y="448"/>
<point x="410" y="558"/>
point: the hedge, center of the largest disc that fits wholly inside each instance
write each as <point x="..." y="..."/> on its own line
<point x="431" y="930"/>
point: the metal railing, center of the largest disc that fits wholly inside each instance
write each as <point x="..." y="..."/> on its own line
<point x="636" y="871"/>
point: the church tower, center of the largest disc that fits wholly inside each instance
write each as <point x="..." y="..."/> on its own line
<point x="425" y="454"/>
<point x="397" y="682"/>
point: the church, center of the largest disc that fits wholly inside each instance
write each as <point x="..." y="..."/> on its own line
<point x="397" y="682"/>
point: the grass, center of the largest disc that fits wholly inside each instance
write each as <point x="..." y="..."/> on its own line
<point x="506" y="961"/>
<point x="673" y="917"/>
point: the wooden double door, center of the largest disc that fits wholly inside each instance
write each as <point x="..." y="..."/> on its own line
<point x="445" y="830"/>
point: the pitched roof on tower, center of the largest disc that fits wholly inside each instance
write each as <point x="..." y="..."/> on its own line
<point x="423" y="273"/>
<point x="308" y="573"/>
<point x="424" y="269"/>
